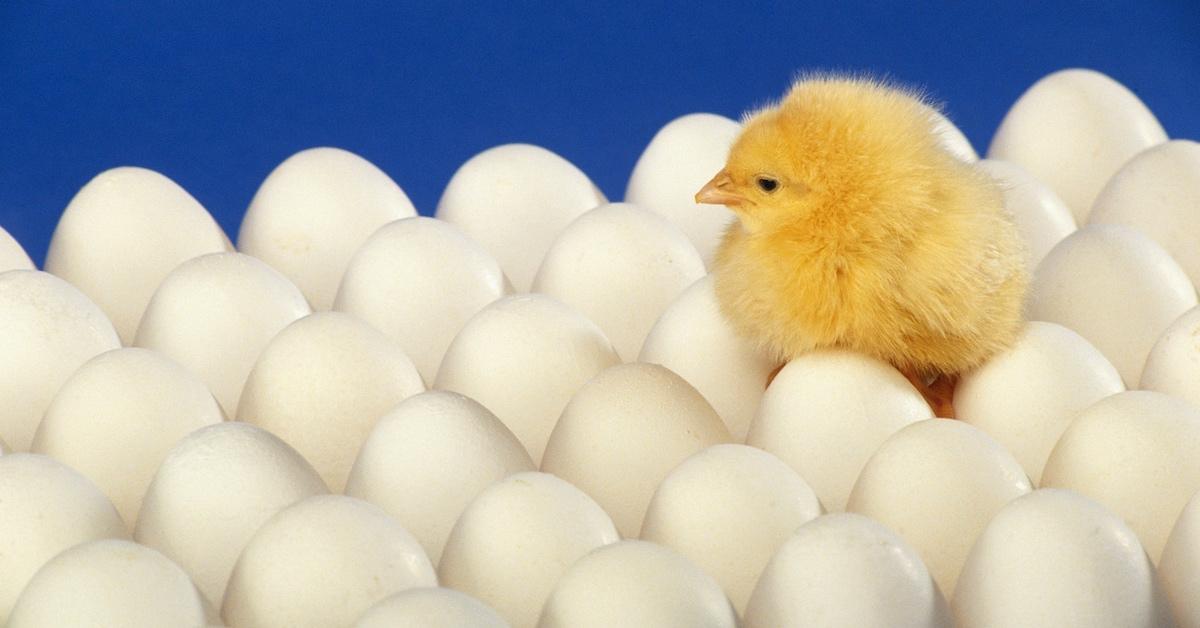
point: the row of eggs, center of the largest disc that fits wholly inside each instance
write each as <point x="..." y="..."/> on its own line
<point x="623" y="274"/>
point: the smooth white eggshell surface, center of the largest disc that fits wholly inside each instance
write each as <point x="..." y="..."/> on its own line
<point x="515" y="540"/>
<point x="1179" y="567"/>
<point x="116" y="418"/>
<point x="214" y="314"/>
<point x="827" y="411"/>
<point x="514" y="200"/>
<point x="1026" y="397"/>
<point x="1173" y="366"/>
<point x="313" y="212"/>
<point x="213" y="491"/>
<point x="419" y="280"/>
<point x="323" y="562"/>
<point x="434" y="607"/>
<point x="1054" y="558"/>
<point x="636" y="584"/>
<point x="1137" y="453"/>
<point x="695" y="341"/>
<point x="429" y="457"/>
<point x="47" y="330"/>
<point x="937" y="483"/>
<point x="624" y="431"/>
<point x="109" y="582"/>
<point x="1042" y="219"/>
<point x="679" y="160"/>
<point x="321" y="384"/>
<point x="1072" y="130"/>
<point x="45" y="508"/>
<point x="846" y="570"/>
<point x="620" y="266"/>
<point x="1158" y="193"/>
<point x="12" y="255"/>
<point x="523" y="357"/>
<point x="122" y="234"/>
<point x="727" y="509"/>
<point x="1115" y="287"/>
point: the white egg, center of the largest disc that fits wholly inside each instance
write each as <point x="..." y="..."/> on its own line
<point x="109" y="583"/>
<point x="213" y="491"/>
<point x="323" y="562"/>
<point x="122" y="234"/>
<point x="523" y="357"/>
<point x="47" y="330"/>
<point x="1115" y="287"/>
<point x="313" y="212"/>
<point x="214" y="314"/>
<point x="429" y="457"/>
<point x="679" y="160"/>
<point x="1072" y="130"/>
<point x="431" y="608"/>
<point x="1158" y="193"/>
<point x="1179" y="567"/>
<point x="419" y="280"/>
<point x="846" y="570"/>
<point x="953" y="139"/>
<point x="693" y="339"/>
<point x="937" y="483"/>
<point x="636" y="584"/>
<point x="12" y="256"/>
<point x="1137" y="453"/>
<point x="116" y="418"/>
<point x="1173" y="366"/>
<point x="624" y="431"/>
<point x="1053" y="558"/>
<point x="321" y="384"/>
<point x="515" y="540"/>
<point x="1042" y="219"/>
<point x="514" y="200"/>
<point x="620" y="266"/>
<point x="45" y="508"/>
<point x="1026" y="396"/>
<point x="727" y="509"/>
<point x="827" y="411"/>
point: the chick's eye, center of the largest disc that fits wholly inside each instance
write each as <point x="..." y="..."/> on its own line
<point x="767" y="184"/>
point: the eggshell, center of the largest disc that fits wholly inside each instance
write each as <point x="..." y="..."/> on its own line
<point x="323" y="562"/>
<point x="313" y="212"/>
<point x="1137" y="453"/>
<point x="116" y="418"/>
<point x="122" y="234"/>
<point x="827" y="411"/>
<point x="679" y="160"/>
<point x="620" y="266"/>
<point x="1026" y="396"/>
<point x="624" y="431"/>
<point x="109" y="583"/>
<point x="636" y="584"/>
<point x="517" y="538"/>
<point x="1116" y="288"/>
<point x="429" y="457"/>
<point x="953" y="139"/>
<point x="12" y="256"/>
<point x="321" y="384"/>
<point x="1158" y="193"/>
<point x="723" y="493"/>
<point x="1173" y="366"/>
<point x="47" y="330"/>
<point x="45" y="508"/>
<point x="190" y="513"/>
<point x="419" y="280"/>
<point x="1179" y="567"/>
<point x="695" y="341"/>
<point x="514" y="200"/>
<point x="1054" y="558"/>
<point x="1042" y="219"/>
<point x="1072" y="130"/>
<point x="937" y="483"/>
<point x="431" y="608"/>
<point x="523" y="357"/>
<point x="846" y="570"/>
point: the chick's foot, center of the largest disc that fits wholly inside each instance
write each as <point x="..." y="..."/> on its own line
<point x="938" y="393"/>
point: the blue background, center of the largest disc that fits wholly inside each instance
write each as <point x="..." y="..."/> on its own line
<point x="215" y="94"/>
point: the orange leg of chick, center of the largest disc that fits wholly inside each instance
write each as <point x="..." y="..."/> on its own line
<point x="771" y="377"/>
<point x="939" y="393"/>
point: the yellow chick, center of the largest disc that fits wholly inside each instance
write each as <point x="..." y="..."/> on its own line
<point x="858" y="229"/>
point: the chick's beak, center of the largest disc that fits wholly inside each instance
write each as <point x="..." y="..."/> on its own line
<point x="719" y="191"/>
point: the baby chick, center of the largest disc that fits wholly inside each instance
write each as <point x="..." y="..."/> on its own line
<point x="857" y="229"/>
